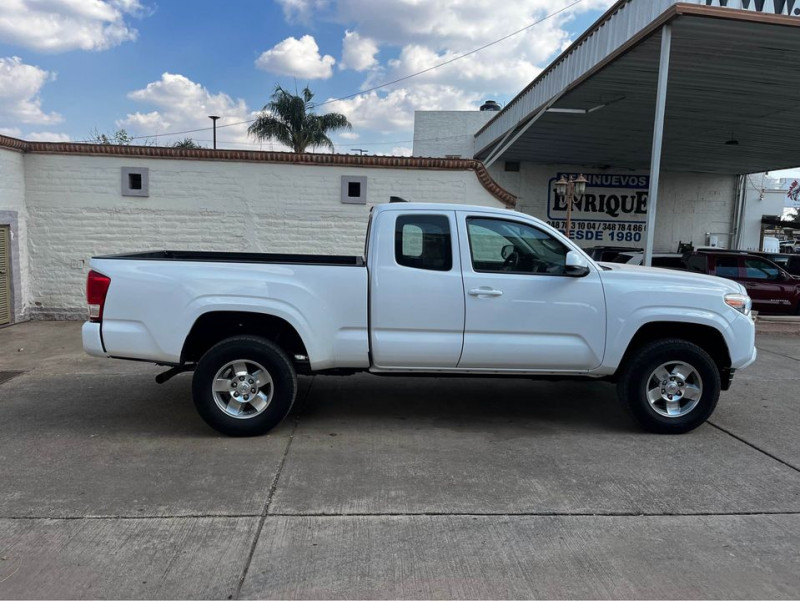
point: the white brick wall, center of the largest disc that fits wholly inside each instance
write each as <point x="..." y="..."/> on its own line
<point x="13" y="212"/>
<point x="76" y="210"/>
<point x="70" y="208"/>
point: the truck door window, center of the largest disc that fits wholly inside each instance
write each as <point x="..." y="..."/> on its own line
<point x="498" y="245"/>
<point x="757" y="269"/>
<point x="727" y="267"/>
<point x="423" y="242"/>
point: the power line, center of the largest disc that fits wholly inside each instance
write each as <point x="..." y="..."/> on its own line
<point x="452" y="60"/>
<point x="388" y="83"/>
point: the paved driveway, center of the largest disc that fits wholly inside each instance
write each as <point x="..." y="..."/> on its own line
<point x="112" y="486"/>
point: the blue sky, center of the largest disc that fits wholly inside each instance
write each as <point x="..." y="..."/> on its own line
<point x="70" y="66"/>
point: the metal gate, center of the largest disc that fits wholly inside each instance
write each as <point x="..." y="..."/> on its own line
<point x="5" y="274"/>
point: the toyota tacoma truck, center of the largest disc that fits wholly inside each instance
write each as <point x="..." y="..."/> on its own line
<point x="440" y="290"/>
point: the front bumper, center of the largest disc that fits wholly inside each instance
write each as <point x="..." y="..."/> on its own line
<point x="752" y="359"/>
<point x="93" y="340"/>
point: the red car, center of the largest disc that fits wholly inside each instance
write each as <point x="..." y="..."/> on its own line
<point x="772" y="289"/>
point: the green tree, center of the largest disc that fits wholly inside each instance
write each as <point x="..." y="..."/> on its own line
<point x="187" y="143"/>
<point x="119" y="137"/>
<point x="290" y="120"/>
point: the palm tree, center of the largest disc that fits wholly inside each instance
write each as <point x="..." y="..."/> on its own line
<point x="288" y="118"/>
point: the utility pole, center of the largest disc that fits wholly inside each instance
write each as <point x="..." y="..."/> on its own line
<point x="214" y="119"/>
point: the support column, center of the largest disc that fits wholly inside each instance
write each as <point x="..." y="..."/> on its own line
<point x="658" y="135"/>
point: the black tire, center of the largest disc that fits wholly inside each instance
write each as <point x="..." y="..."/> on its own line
<point x="635" y="379"/>
<point x="281" y="390"/>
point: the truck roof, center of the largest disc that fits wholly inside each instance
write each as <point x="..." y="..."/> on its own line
<point x="443" y="206"/>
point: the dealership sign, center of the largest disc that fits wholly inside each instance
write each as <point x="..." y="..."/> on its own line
<point x="612" y="210"/>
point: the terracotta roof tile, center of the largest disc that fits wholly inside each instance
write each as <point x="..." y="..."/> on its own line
<point x="306" y="158"/>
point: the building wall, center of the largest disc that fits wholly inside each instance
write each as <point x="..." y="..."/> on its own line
<point x="441" y="133"/>
<point x="13" y="213"/>
<point x="690" y="206"/>
<point x="763" y="196"/>
<point x="76" y="210"/>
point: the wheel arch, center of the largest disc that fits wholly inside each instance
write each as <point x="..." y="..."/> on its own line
<point x="708" y="338"/>
<point x="214" y="326"/>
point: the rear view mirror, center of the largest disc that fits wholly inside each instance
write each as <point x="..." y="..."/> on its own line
<point x="576" y="265"/>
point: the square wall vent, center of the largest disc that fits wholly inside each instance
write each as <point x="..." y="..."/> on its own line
<point x="135" y="181"/>
<point x="354" y="190"/>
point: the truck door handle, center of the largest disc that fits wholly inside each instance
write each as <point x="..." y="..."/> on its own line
<point x="485" y="292"/>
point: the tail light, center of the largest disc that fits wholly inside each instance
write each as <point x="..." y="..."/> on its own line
<point x="96" y="289"/>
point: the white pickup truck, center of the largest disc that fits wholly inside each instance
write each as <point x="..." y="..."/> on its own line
<point x="441" y="289"/>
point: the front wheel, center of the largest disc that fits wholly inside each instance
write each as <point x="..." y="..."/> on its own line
<point x="244" y="386"/>
<point x="670" y="386"/>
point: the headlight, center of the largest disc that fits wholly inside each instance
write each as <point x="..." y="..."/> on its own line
<point x="740" y="302"/>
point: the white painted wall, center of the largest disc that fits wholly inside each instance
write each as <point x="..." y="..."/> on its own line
<point x="439" y="133"/>
<point x="76" y="210"/>
<point x="13" y="212"/>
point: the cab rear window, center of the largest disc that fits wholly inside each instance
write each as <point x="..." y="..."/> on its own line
<point x="423" y="242"/>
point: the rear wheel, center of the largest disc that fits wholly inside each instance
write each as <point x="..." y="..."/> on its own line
<point x="670" y="386"/>
<point x="244" y="386"/>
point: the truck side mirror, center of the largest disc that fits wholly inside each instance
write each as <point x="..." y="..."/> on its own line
<point x="576" y="265"/>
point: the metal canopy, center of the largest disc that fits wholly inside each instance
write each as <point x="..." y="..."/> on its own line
<point x="729" y="80"/>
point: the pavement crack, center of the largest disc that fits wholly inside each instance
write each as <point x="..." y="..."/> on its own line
<point x="766" y="350"/>
<point x="272" y="489"/>
<point x="5" y="376"/>
<point x="412" y="514"/>
<point x="539" y="514"/>
<point x="753" y="446"/>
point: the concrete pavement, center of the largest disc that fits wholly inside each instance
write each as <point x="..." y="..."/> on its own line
<point x="111" y="486"/>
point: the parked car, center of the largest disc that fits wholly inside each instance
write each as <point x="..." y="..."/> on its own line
<point x="441" y="290"/>
<point x="789" y="262"/>
<point x="771" y="288"/>
<point x="665" y="260"/>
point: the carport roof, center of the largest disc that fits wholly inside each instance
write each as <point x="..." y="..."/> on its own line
<point x="732" y="100"/>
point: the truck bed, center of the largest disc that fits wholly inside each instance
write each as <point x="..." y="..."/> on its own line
<point x="237" y="257"/>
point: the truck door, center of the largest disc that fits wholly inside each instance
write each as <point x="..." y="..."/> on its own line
<point x="522" y="312"/>
<point x="416" y="291"/>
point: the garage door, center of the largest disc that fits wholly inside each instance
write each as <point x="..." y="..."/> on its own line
<point x="5" y="275"/>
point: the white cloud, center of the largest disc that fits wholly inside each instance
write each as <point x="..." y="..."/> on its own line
<point x="47" y="136"/>
<point x="358" y="53"/>
<point x="180" y="104"/>
<point x="400" y="151"/>
<point x="425" y="33"/>
<point x="301" y="10"/>
<point x="394" y="111"/>
<point x="62" y="25"/>
<point x="458" y="25"/>
<point x="14" y="132"/>
<point x="349" y="135"/>
<point x="297" y="58"/>
<point x="20" y="85"/>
